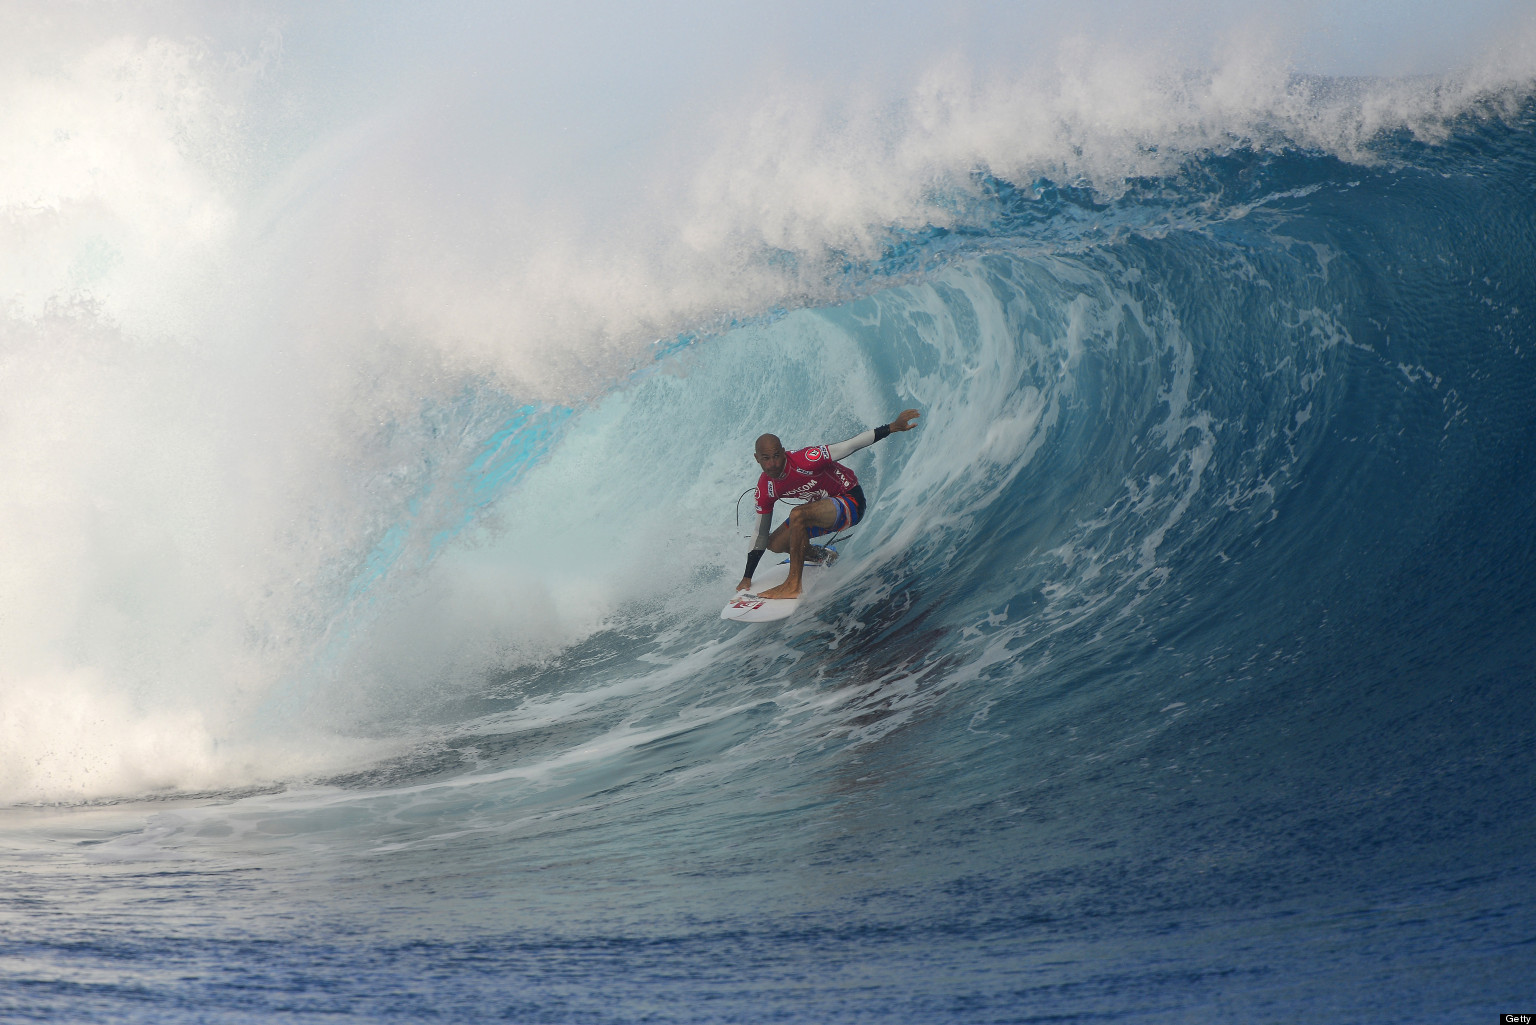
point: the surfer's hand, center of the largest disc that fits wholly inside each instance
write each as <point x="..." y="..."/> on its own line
<point x="746" y="584"/>
<point x="904" y="421"/>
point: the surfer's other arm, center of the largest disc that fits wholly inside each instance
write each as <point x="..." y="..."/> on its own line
<point x="904" y="422"/>
<point x="759" y="545"/>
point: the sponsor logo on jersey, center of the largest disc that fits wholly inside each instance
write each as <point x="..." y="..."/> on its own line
<point x="813" y="455"/>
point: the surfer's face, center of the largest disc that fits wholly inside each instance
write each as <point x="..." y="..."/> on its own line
<point x="770" y="456"/>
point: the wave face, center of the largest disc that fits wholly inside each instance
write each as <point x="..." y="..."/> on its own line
<point x="1181" y="669"/>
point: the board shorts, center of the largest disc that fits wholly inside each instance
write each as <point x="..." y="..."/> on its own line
<point x="850" y="510"/>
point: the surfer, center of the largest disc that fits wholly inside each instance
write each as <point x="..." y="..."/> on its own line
<point x="830" y="493"/>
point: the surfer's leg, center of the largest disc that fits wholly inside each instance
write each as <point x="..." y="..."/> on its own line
<point x="796" y="531"/>
<point x="778" y="541"/>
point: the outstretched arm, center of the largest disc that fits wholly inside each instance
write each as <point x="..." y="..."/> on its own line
<point x="904" y="422"/>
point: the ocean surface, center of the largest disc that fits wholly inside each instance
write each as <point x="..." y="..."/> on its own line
<point x="1182" y="670"/>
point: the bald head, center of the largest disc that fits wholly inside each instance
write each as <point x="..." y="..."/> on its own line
<point x="769" y="454"/>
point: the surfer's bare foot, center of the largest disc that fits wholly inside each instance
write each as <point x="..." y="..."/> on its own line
<point x="781" y="591"/>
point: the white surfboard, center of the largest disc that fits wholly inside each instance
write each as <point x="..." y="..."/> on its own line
<point x="747" y="607"/>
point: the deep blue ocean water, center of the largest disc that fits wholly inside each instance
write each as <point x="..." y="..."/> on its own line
<point x="1184" y="669"/>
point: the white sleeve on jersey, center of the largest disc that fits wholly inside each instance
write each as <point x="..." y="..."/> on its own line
<point x="760" y="539"/>
<point x="843" y="449"/>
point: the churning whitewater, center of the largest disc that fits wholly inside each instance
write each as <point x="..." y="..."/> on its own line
<point x="370" y="471"/>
